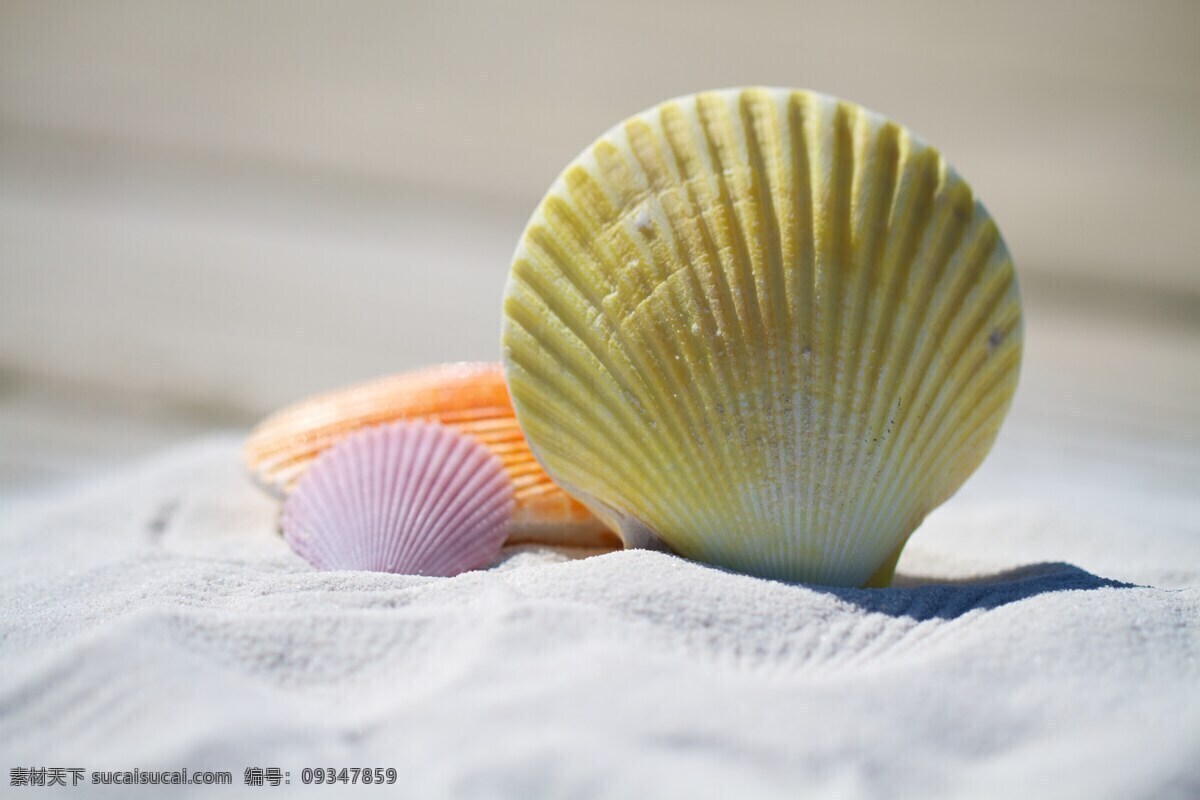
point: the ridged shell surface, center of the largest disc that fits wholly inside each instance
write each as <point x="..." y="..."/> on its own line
<point x="766" y="328"/>
<point x="405" y="498"/>
<point x="468" y="397"/>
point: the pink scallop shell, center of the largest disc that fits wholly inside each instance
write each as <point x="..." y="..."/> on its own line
<point x="408" y="498"/>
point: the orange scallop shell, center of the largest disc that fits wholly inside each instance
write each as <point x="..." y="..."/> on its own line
<point x="471" y="398"/>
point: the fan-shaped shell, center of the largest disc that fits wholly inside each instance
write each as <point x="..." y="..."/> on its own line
<point x="470" y="398"/>
<point x="414" y="499"/>
<point x="767" y="328"/>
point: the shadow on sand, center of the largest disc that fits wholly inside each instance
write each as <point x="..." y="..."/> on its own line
<point x="922" y="598"/>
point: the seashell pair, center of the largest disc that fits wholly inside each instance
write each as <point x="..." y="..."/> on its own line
<point x="763" y="328"/>
<point x="470" y="398"/>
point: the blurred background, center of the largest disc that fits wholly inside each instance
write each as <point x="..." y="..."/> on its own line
<point x="211" y="209"/>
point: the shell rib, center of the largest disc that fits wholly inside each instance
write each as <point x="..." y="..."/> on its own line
<point x="406" y="498"/>
<point x="470" y="398"/>
<point x="765" y="328"/>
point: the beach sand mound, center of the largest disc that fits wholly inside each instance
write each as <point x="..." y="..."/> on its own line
<point x="157" y="620"/>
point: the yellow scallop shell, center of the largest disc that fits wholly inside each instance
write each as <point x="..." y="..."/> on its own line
<point x="765" y="328"/>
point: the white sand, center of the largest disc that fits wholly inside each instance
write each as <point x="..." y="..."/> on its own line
<point x="155" y="620"/>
